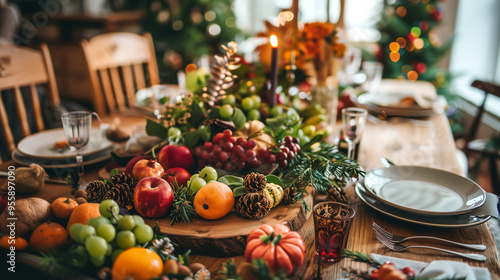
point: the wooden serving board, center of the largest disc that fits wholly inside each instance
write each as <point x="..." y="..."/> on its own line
<point x="226" y="237"/>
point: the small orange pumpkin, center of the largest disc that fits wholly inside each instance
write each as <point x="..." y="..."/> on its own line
<point x="48" y="236"/>
<point x="63" y="207"/>
<point x="18" y="242"/>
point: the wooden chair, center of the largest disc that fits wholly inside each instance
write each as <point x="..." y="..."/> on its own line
<point x="481" y="146"/>
<point x="27" y="68"/>
<point x="119" y="64"/>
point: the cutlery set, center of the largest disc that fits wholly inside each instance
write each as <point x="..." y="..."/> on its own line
<point x="392" y="241"/>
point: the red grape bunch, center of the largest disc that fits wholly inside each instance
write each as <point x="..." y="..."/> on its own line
<point x="287" y="151"/>
<point x="228" y="152"/>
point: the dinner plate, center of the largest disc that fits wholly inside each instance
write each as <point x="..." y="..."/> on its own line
<point x="424" y="191"/>
<point x="41" y="144"/>
<point x="365" y="101"/>
<point x="21" y="158"/>
<point x="456" y="221"/>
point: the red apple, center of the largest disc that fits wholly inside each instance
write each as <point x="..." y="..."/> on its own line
<point x="176" y="156"/>
<point x="178" y="174"/>
<point x="153" y="197"/>
<point x="132" y="162"/>
<point x="147" y="168"/>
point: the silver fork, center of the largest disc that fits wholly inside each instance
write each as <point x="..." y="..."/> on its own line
<point x="398" y="239"/>
<point x="399" y="248"/>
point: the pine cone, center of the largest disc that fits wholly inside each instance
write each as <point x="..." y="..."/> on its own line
<point x="290" y="195"/>
<point x="254" y="182"/>
<point x="120" y="193"/>
<point x="253" y="206"/>
<point x="96" y="190"/>
<point x="337" y="194"/>
<point x="163" y="245"/>
<point x="125" y="178"/>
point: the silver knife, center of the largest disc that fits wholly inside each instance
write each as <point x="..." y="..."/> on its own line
<point x="54" y="181"/>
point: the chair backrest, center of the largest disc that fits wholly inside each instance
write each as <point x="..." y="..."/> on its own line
<point x="488" y="88"/>
<point x="119" y="64"/>
<point x="26" y="68"/>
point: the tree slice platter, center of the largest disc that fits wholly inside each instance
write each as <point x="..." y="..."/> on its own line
<point x="226" y="237"/>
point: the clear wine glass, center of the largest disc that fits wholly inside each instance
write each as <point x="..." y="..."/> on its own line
<point x="373" y="71"/>
<point x="353" y="121"/>
<point x="77" y="129"/>
<point x="352" y="62"/>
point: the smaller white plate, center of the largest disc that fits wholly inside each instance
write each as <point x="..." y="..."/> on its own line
<point x="457" y="221"/>
<point x="40" y="145"/>
<point x="21" y="158"/>
<point x="424" y="191"/>
<point x="365" y="101"/>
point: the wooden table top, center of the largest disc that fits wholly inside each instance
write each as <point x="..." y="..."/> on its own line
<point x="424" y="142"/>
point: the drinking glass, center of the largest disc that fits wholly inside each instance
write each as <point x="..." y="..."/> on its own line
<point x="352" y="62"/>
<point x="373" y="71"/>
<point x="332" y="222"/>
<point x="353" y="122"/>
<point x="77" y="129"/>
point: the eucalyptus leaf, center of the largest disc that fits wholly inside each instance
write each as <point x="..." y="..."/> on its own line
<point x="192" y="138"/>
<point x="214" y="113"/>
<point x="274" y="179"/>
<point x="230" y="180"/>
<point x="239" y="191"/>
<point x="156" y="129"/>
<point x="113" y="173"/>
<point x="197" y="115"/>
<point x="239" y="118"/>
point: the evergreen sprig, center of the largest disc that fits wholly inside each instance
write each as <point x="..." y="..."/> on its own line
<point x="182" y="207"/>
<point x="319" y="164"/>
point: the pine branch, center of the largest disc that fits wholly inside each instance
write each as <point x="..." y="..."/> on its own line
<point x="182" y="207"/>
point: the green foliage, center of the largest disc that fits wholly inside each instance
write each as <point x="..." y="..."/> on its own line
<point x="180" y="30"/>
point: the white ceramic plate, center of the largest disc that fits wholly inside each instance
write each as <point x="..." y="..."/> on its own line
<point x="424" y="191"/>
<point x="364" y="101"/>
<point x="456" y="221"/>
<point x="40" y="145"/>
<point x="21" y="158"/>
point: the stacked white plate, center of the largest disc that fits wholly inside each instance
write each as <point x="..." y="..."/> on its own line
<point x="39" y="148"/>
<point x="423" y="195"/>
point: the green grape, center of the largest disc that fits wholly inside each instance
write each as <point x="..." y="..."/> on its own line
<point x="208" y="173"/>
<point x="197" y="175"/>
<point x="197" y="184"/>
<point x="254" y="115"/>
<point x="276" y="111"/>
<point x="106" y="206"/>
<point x="226" y="112"/>
<point x="96" y="246"/>
<point x="125" y="239"/>
<point x="126" y="223"/>
<point x="109" y="250"/>
<point x="229" y="99"/>
<point x="174" y="132"/>
<point x="74" y="232"/>
<point x="143" y="233"/>
<point x="98" y="261"/>
<point x="138" y="220"/>
<point x="257" y="101"/>
<point x="204" y="132"/>
<point x="86" y="232"/>
<point x="97" y="221"/>
<point x="107" y="231"/>
<point x="115" y="254"/>
<point x="115" y="220"/>
<point x="247" y="103"/>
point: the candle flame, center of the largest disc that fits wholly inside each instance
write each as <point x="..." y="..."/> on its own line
<point x="274" y="41"/>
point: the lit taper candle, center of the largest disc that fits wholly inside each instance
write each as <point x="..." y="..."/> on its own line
<point x="274" y="70"/>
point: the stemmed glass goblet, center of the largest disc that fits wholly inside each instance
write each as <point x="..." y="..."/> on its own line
<point x="77" y="129"/>
<point x="353" y="122"/>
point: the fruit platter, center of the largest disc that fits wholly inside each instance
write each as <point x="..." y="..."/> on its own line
<point x="228" y="165"/>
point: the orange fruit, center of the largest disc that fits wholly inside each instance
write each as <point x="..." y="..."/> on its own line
<point x="82" y="213"/>
<point x="48" y="236"/>
<point x="17" y="242"/>
<point x="137" y="263"/>
<point x="214" y="201"/>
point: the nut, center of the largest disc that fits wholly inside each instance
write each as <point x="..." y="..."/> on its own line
<point x="195" y="267"/>
<point x="171" y="267"/>
<point x="81" y="193"/>
<point x="80" y="200"/>
<point x="184" y="270"/>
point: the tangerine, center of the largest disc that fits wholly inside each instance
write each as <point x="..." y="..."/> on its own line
<point x="137" y="263"/>
<point x="8" y="241"/>
<point x="82" y="213"/>
<point x="48" y="236"/>
<point x="214" y="201"/>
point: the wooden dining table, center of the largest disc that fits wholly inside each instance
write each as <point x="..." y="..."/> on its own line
<point x="423" y="142"/>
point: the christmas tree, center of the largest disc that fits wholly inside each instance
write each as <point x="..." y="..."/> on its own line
<point x="185" y="30"/>
<point x="409" y="46"/>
